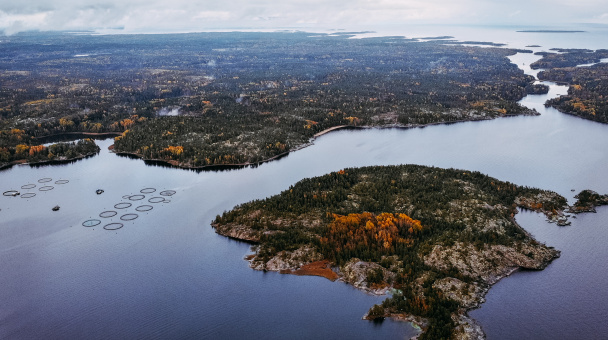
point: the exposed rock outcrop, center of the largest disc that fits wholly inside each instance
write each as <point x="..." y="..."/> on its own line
<point x="368" y="276"/>
<point x="238" y="231"/>
<point x="287" y="260"/>
<point x="491" y="262"/>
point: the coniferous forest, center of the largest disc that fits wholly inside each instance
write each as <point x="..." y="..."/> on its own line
<point x="438" y="236"/>
<point x="204" y="99"/>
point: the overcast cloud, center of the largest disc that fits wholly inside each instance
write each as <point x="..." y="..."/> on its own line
<point x="191" y="15"/>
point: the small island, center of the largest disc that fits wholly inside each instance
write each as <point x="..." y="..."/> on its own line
<point x="436" y="238"/>
<point x="587" y="200"/>
<point x="550" y="31"/>
<point x="42" y="154"/>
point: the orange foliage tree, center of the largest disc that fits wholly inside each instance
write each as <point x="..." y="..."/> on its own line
<point x="36" y="149"/>
<point x="367" y="233"/>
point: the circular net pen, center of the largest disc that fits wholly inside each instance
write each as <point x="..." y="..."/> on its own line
<point x="137" y="197"/>
<point x="167" y="193"/>
<point x="113" y="226"/>
<point x="108" y="214"/>
<point x="45" y="180"/>
<point x="28" y="195"/>
<point x="143" y="208"/>
<point x="129" y="217"/>
<point x="122" y="205"/>
<point x="147" y="190"/>
<point x="156" y="199"/>
<point x="91" y="223"/>
<point x="126" y="197"/>
<point x="62" y="181"/>
<point x="28" y="186"/>
<point x="46" y="188"/>
<point x="10" y="193"/>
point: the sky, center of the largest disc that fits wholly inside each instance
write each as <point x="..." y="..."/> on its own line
<point x="152" y="16"/>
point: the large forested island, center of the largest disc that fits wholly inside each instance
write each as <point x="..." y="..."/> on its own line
<point x="197" y="100"/>
<point x="439" y="238"/>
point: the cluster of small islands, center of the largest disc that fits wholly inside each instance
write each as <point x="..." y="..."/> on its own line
<point x="437" y="239"/>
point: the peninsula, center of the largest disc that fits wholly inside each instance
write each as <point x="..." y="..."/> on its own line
<point x="40" y="154"/>
<point x="244" y="98"/>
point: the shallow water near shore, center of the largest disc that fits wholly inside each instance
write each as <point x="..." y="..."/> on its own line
<point x="166" y="274"/>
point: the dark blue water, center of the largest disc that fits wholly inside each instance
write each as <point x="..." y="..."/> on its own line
<point x="567" y="300"/>
<point x="166" y="274"/>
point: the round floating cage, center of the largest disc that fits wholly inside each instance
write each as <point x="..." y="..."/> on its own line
<point x="137" y="197"/>
<point x="147" y="190"/>
<point x="167" y="193"/>
<point x="122" y="205"/>
<point x="113" y="226"/>
<point x="143" y="208"/>
<point x="126" y="197"/>
<point x="107" y="214"/>
<point x="129" y="217"/>
<point x="91" y="223"/>
<point x="46" y="188"/>
<point x="45" y="180"/>
<point x="28" y="195"/>
<point x="28" y="186"/>
<point x="156" y="199"/>
<point x="62" y="181"/>
<point x="11" y="193"/>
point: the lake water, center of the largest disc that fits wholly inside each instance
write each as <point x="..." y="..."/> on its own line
<point x="167" y="274"/>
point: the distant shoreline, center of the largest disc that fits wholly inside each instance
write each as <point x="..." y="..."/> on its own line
<point x="549" y="31"/>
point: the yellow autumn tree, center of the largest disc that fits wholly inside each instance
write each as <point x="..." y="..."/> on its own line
<point x="21" y="149"/>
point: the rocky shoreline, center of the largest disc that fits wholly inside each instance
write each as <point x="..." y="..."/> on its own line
<point x="489" y="265"/>
<point x="355" y="273"/>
